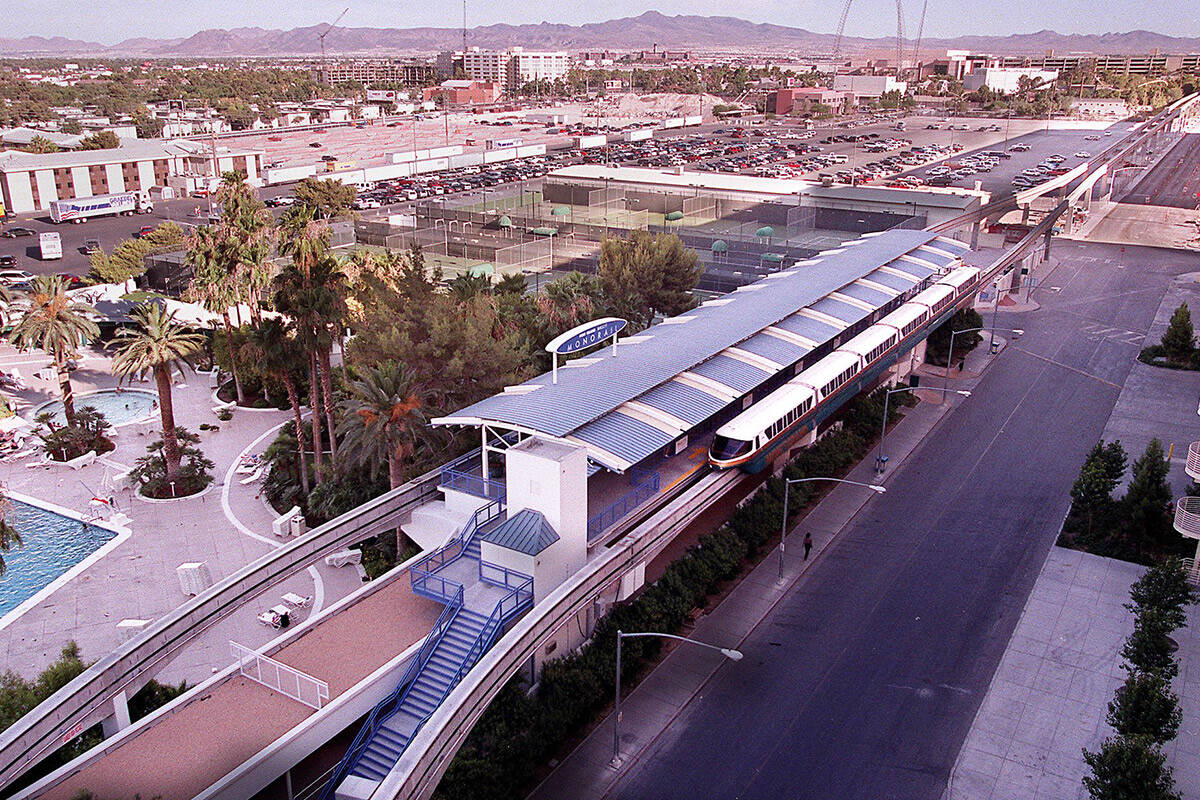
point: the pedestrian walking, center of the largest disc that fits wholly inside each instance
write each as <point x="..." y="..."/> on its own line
<point x="807" y="545"/>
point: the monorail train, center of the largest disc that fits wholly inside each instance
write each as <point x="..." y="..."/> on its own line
<point x="752" y="438"/>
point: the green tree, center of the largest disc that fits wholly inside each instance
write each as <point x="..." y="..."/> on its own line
<point x="156" y="345"/>
<point x="1128" y="768"/>
<point x="644" y="274"/>
<point x="272" y="346"/>
<point x="72" y="127"/>
<point x="128" y="259"/>
<point x="1164" y="588"/>
<point x="937" y="348"/>
<point x="58" y="326"/>
<point x="101" y="140"/>
<point x="327" y="199"/>
<point x="1091" y="494"/>
<point x="1179" y="340"/>
<point x="1145" y="707"/>
<point x="1146" y="506"/>
<point x="383" y="417"/>
<point x="40" y="144"/>
<point x="9" y="537"/>
<point x="1148" y="649"/>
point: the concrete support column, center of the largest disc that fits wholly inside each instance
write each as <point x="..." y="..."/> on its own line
<point x="119" y="720"/>
<point x="1025" y="214"/>
<point x="1046" y="254"/>
<point x="975" y="235"/>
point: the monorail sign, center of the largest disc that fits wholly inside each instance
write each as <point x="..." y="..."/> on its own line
<point x="584" y="336"/>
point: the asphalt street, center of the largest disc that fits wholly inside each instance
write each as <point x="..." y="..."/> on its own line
<point x="863" y="682"/>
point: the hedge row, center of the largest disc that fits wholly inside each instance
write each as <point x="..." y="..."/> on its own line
<point x="1144" y="713"/>
<point x="520" y="731"/>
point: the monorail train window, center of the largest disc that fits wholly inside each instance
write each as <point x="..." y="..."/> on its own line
<point x="724" y="448"/>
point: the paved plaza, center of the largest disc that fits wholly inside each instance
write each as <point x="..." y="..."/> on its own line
<point x="226" y="527"/>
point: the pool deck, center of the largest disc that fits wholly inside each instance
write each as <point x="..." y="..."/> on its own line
<point x="226" y="527"/>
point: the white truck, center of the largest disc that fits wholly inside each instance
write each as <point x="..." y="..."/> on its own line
<point x="81" y="209"/>
<point x="50" y="244"/>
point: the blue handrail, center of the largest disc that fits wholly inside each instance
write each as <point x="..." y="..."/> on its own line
<point x="394" y="700"/>
<point x="422" y="572"/>
<point x="645" y="487"/>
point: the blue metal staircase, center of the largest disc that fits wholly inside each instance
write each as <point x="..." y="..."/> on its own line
<point x="457" y="641"/>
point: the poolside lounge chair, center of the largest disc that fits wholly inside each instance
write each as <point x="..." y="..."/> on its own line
<point x="343" y="558"/>
<point x="252" y="477"/>
<point x="270" y="619"/>
<point x="82" y="461"/>
<point x="296" y="601"/>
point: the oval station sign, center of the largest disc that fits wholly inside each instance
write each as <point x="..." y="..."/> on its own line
<point x="586" y="335"/>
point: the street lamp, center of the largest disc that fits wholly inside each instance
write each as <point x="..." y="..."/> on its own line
<point x="880" y="458"/>
<point x="731" y="654"/>
<point x="787" y="485"/>
<point x="953" y="333"/>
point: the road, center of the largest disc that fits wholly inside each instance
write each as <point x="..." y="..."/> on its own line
<point x="1175" y="180"/>
<point x="863" y="682"/>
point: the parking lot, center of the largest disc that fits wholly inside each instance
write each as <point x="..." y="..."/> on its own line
<point x="764" y="148"/>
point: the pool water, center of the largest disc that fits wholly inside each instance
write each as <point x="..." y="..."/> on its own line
<point x="51" y="545"/>
<point x="119" y="408"/>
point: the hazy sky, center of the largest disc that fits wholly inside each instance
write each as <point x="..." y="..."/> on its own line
<point x="110" y="21"/>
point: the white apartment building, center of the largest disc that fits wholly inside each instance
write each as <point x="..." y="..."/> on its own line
<point x="1007" y="80"/>
<point x="515" y="66"/>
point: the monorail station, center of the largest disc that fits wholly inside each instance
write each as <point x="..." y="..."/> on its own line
<point x="644" y="407"/>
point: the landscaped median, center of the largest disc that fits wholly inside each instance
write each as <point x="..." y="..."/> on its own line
<point x="508" y="748"/>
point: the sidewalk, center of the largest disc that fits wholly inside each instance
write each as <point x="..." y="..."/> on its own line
<point x="651" y="708"/>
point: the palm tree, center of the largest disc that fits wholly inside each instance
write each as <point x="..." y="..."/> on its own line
<point x="383" y="417"/>
<point x="9" y="538"/>
<point x="157" y="345"/>
<point x="213" y="285"/>
<point x="313" y="291"/>
<point x="272" y="346"/>
<point x="58" y="325"/>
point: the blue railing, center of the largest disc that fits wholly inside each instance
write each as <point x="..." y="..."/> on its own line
<point x="461" y="475"/>
<point x="422" y="572"/>
<point x="645" y="487"/>
<point x="472" y="484"/>
<point x="384" y="710"/>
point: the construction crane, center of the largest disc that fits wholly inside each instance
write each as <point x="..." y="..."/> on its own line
<point x="322" y="36"/>
<point x="841" y="29"/>
<point x="920" y="33"/>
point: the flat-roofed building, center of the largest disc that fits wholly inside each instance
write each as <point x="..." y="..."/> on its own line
<point x="31" y="181"/>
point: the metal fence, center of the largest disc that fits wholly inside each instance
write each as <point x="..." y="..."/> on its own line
<point x="645" y="487"/>
<point x="280" y="677"/>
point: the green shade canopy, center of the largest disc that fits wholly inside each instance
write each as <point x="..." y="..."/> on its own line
<point x="720" y="246"/>
<point x="765" y="231"/>
<point x="772" y="257"/>
<point x="543" y="231"/>
<point x="674" y="216"/>
<point x="481" y="269"/>
<point x="505" y="221"/>
<point x="560" y="211"/>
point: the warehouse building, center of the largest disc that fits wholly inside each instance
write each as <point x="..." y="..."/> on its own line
<point x="31" y="181"/>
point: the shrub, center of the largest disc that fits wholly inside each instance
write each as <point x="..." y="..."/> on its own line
<point x="65" y="442"/>
<point x="1164" y="588"/>
<point x="1179" y="340"/>
<point x="1148" y="649"/>
<point x="194" y="468"/>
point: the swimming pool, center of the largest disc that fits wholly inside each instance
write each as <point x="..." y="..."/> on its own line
<point x="52" y="545"/>
<point x="119" y="408"/>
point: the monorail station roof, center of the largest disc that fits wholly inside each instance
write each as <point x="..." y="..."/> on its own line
<point x="670" y="378"/>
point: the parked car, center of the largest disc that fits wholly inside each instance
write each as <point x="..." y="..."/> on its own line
<point x="8" y="261"/>
<point x="144" y="231"/>
<point x="10" y="277"/>
<point x="13" y="233"/>
<point x="91" y="246"/>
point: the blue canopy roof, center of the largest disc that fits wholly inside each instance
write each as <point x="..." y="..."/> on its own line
<point x="584" y="398"/>
<point x="527" y="532"/>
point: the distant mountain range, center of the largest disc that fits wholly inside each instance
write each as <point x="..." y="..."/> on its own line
<point x="642" y="32"/>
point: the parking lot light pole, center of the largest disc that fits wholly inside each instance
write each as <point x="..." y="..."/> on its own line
<point x="787" y="487"/>
<point x="880" y="458"/>
<point x="950" y="356"/>
<point x="730" y="653"/>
